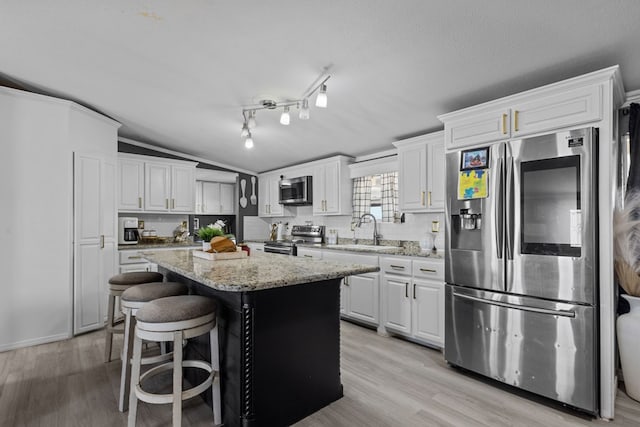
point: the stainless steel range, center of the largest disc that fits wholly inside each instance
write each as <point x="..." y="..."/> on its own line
<point x="299" y="234"/>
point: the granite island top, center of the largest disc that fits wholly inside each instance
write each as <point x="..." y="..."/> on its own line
<point x="256" y="272"/>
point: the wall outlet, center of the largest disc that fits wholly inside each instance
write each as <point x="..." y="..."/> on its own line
<point x="435" y="226"/>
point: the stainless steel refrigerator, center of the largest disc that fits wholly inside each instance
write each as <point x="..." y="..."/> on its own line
<point x="521" y="264"/>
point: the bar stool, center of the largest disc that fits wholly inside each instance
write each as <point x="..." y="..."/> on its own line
<point x="174" y="319"/>
<point x="131" y="301"/>
<point x="118" y="284"/>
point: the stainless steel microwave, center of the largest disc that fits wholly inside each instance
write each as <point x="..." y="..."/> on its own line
<point x="296" y="191"/>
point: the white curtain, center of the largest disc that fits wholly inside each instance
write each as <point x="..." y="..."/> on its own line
<point x="389" y="184"/>
<point x="361" y="197"/>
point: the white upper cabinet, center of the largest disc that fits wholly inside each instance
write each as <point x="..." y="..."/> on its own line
<point x="421" y="173"/>
<point x="183" y="181"/>
<point x="157" y="187"/>
<point x="131" y="190"/>
<point x="569" y="103"/>
<point x="331" y="187"/>
<point x="152" y="184"/>
<point x="215" y="198"/>
<point x="268" y="196"/>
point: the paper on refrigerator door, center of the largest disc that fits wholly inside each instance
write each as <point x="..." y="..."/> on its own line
<point x="575" y="227"/>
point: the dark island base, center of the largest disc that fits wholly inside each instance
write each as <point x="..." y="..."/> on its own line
<point x="279" y="351"/>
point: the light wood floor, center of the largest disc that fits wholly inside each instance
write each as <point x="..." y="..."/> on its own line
<point x="387" y="382"/>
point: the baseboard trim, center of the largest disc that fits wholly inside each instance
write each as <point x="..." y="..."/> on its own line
<point x="34" y="341"/>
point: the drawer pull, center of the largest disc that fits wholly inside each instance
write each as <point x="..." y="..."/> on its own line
<point x="135" y="257"/>
<point x="397" y="267"/>
<point x="309" y="256"/>
<point x="427" y="270"/>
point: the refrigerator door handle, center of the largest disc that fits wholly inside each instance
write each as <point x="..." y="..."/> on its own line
<point x="563" y="313"/>
<point x="500" y="210"/>
<point x="510" y="209"/>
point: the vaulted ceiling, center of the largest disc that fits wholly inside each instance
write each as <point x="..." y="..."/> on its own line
<point x="177" y="74"/>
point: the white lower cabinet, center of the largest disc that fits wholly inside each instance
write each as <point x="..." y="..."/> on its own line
<point x="359" y="294"/>
<point x="256" y="247"/>
<point x="413" y="299"/>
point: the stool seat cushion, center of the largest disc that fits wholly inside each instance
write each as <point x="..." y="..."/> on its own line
<point x="176" y="309"/>
<point x="136" y="278"/>
<point x="149" y="291"/>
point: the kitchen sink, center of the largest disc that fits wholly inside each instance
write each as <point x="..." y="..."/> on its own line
<point x="365" y="247"/>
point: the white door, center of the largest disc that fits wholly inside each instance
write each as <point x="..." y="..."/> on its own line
<point x="227" y="199"/>
<point x="398" y="303"/>
<point x="183" y="181"/>
<point x="131" y="185"/>
<point x="413" y="178"/>
<point x="157" y="187"/>
<point x="363" y="298"/>
<point x="275" y="208"/>
<point x="428" y="311"/>
<point x="210" y="197"/>
<point x="94" y="238"/>
<point x="436" y="173"/>
<point x="332" y="188"/>
<point x="344" y="296"/>
<point x="318" y="184"/>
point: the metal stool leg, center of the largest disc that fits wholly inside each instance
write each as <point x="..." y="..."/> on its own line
<point x="109" y="329"/>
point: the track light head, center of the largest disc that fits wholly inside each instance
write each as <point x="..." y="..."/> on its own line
<point x="321" y="100"/>
<point x="251" y="123"/>
<point x="245" y="130"/>
<point x="285" y="118"/>
<point x="304" y="111"/>
<point x="248" y="143"/>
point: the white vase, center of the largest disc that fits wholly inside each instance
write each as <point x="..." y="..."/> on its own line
<point x="206" y="246"/>
<point x="629" y="344"/>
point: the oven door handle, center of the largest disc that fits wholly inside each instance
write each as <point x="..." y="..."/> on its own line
<point x="563" y="313"/>
<point x="276" y="250"/>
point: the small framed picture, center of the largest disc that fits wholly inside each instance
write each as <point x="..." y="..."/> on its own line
<point x="478" y="158"/>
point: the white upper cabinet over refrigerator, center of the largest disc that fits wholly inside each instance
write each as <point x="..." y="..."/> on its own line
<point x="421" y="173"/>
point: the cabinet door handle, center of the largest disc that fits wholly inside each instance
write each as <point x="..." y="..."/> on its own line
<point x="515" y="121"/>
<point x="102" y="241"/>
<point x="429" y="198"/>
<point x="397" y="267"/>
<point x="173" y="203"/>
<point x="504" y="124"/>
<point x="422" y="199"/>
<point x="427" y="270"/>
<point x="346" y="281"/>
<point x="406" y="290"/>
<point x="166" y="203"/>
<point x="140" y="202"/>
<point x="414" y="291"/>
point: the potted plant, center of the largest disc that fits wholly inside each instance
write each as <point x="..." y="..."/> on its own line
<point x="626" y="251"/>
<point x="206" y="234"/>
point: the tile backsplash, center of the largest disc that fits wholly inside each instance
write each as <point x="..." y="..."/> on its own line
<point x="162" y="223"/>
<point x="414" y="227"/>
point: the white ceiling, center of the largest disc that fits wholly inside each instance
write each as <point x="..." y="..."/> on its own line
<point x="177" y="74"/>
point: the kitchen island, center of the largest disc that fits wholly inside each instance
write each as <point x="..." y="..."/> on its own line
<point x="279" y="331"/>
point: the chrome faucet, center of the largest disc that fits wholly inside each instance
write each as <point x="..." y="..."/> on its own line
<point x="376" y="236"/>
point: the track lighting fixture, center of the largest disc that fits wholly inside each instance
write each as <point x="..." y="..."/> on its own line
<point x="249" y="112"/>
<point x="304" y="111"/>
<point x="321" y="100"/>
<point x="284" y="117"/>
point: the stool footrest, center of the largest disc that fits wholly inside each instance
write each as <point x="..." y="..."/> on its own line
<point x="147" y="397"/>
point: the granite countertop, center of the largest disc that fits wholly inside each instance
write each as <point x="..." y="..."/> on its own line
<point x="166" y="244"/>
<point x="256" y="272"/>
